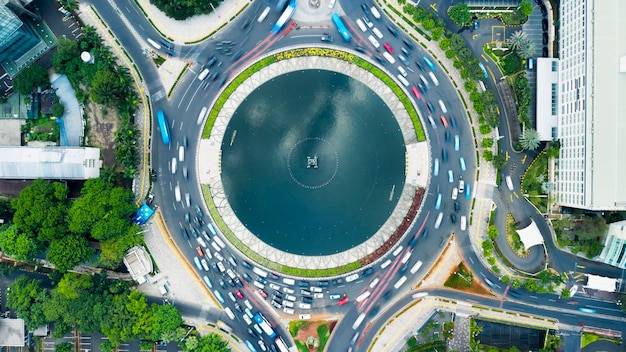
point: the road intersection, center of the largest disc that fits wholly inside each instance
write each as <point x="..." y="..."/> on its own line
<point x="189" y="97"/>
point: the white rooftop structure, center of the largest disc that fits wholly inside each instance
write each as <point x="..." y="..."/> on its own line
<point x="592" y="86"/>
<point x="547" y="97"/>
<point x="614" y="249"/>
<point x="52" y="163"/>
<point x="138" y="263"/>
<point x="530" y="235"/>
<point x="601" y="283"/>
<point x="12" y="333"/>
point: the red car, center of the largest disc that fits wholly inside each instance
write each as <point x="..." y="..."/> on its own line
<point x="343" y="301"/>
<point x="239" y="294"/>
<point x="444" y="121"/>
<point x="416" y="93"/>
<point x="388" y="48"/>
<point x="262" y="293"/>
<point x="199" y="250"/>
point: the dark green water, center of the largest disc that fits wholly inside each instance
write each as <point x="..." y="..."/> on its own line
<point x="360" y="153"/>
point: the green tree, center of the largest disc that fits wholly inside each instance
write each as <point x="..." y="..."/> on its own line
<point x="512" y="63"/>
<point x="457" y="42"/>
<point x="444" y="44"/>
<point x="492" y="232"/>
<point x="105" y="88"/>
<point x="102" y="210"/>
<point x="138" y="306"/>
<point x="40" y="210"/>
<point x="31" y="77"/>
<point x="112" y="251"/>
<point x="526" y="49"/>
<point x="58" y="109"/>
<point x="72" y="285"/>
<point x="180" y="10"/>
<point x="69" y="5"/>
<point x="530" y="139"/>
<point x="191" y="343"/>
<point x="525" y="8"/>
<point x="19" y="245"/>
<point x="436" y="33"/>
<point x="428" y="24"/>
<point x="516" y="39"/>
<point x="63" y="347"/>
<point x="212" y="343"/>
<point x="499" y="161"/>
<point x="26" y="298"/>
<point x="67" y="60"/>
<point x="464" y="54"/>
<point x="565" y="294"/>
<point x="67" y="252"/>
<point x="166" y="318"/>
<point x="117" y="325"/>
<point x="460" y="14"/>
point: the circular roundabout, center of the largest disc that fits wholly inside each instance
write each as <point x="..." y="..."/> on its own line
<point x="312" y="175"/>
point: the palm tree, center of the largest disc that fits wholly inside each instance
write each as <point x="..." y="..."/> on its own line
<point x="530" y="139"/>
<point x="516" y="39"/>
<point x="526" y="49"/>
<point x="69" y="5"/>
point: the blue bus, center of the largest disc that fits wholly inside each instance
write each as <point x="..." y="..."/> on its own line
<point x="341" y="27"/>
<point x="264" y="324"/>
<point x="164" y="127"/>
<point x="250" y="346"/>
<point x="429" y="63"/>
<point x="482" y="67"/>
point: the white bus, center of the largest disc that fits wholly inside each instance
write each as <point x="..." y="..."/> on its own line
<point x="363" y="296"/>
<point x="385" y="264"/>
<point x="219" y="241"/>
<point x="416" y="267"/>
<point x="358" y="321"/>
<point x="264" y="14"/>
<point x="289" y="281"/>
<point x="154" y="44"/>
<point x="203" y="74"/>
<point x="400" y="282"/>
<point x="403" y="80"/>
<point x="261" y="273"/>
<point x="438" y="221"/>
<point x="389" y="58"/>
<point x="201" y="116"/>
<point x="433" y="78"/>
<point x="361" y="25"/>
<point x="375" y="12"/>
<point x="406" y="257"/>
<point x="229" y="312"/>
<point x="443" y="106"/>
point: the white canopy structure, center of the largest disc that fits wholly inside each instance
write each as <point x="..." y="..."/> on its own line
<point x="601" y="283"/>
<point x="530" y="236"/>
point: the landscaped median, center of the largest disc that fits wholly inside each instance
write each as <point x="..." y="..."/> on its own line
<point x="226" y="94"/>
<point x="320" y="52"/>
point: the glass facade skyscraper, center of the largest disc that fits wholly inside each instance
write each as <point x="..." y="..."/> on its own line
<point x="16" y="36"/>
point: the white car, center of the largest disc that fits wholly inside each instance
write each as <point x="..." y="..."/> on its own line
<point x="450" y="176"/>
<point x="181" y="153"/>
<point x="463" y="223"/>
<point x="173" y="165"/>
<point x="377" y="33"/>
<point x="331" y="4"/>
<point x="455" y="193"/>
<point x="352" y="277"/>
<point x="374" y="42"/>
<point x="177" y="193"/>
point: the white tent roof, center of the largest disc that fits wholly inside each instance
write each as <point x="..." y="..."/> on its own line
<point x="601" y="283"/>
<point x="530" y="236"/>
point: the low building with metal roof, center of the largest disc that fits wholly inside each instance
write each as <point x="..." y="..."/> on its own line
<point x="51" y="163"/>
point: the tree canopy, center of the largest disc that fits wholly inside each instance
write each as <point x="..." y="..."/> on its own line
<point x="40" y="210"/>
<point x="460" y="14"/>
<point x="31" y="77"/>
<point x="182" y="9"/>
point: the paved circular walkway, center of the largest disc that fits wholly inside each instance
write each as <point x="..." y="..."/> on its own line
<point x="418" y="161"/>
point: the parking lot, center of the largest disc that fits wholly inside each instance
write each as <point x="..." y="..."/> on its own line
<point x="534" y="30"/>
